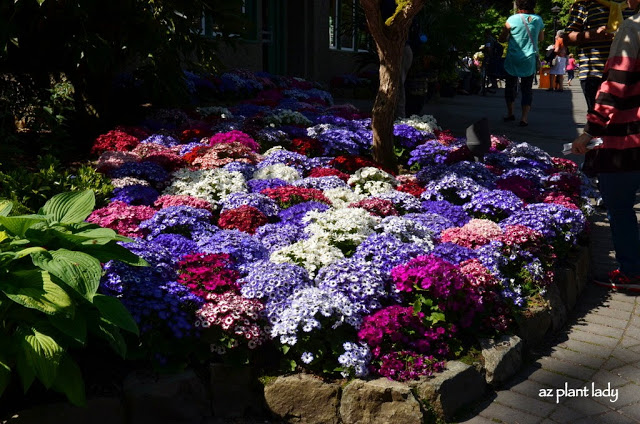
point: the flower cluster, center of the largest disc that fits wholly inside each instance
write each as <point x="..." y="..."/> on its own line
<point x="203" y="274"/>
<point x="473" y="234"/>
<point x="244" y="218"/>
<point x="234" y="136"/>
<point x="288" y="196"/>
<point x="123" y="218"/>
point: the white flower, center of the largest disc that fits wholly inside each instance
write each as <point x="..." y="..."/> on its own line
<point x="311" y="254"/>
<point x="341" y="227"/>
<point x="371" y="181"/>
<point x="424" y="123"/>
<point x="277" y="170"/>
<point x="342" y="197"/>
<point x="212" y="185"/>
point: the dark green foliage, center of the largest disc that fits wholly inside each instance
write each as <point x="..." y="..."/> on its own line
<point x="29" y="189"/>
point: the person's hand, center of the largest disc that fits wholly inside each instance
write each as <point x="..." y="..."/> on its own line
<point x="579" y="145"/>
<point x="603" y="34"/>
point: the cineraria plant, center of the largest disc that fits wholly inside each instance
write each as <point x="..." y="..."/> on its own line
<point x="403" y="346"/>
<point x="205" y="273"/>
<point x="376" y="207"/>
<point x="276" y="236"/>
<point x="229" y="321"/>
<point x="372" y="181"/>
<point x="320" y="183"/>
<point x="273" y="284"/>
<point x="452" y="188"/>
<point x="234" y="136"/>
<point x="114" y="140"/>
<point x="246" y="169"/>
<point x="342" y="228"/>
<point x="361" y="282"/>
<point x="424" y="123"/>
<point x="137" y="194"/>
<point x="181" y="200"/>
<point x="454" y="213"/>
<point x="311" y="254"/>
<point x="494" y="205"/>
<point x="244" y="218"/>
<point x="149" y="171"/>
<point x="406" y="230"/>
<point x="473" y="234"/>
<point x="123" y="218"/>
<point x="259" y="201"/>
<point x="288" y="196"/>
<point x="212" y="185"/>
<point x="241" y="246"/>
<point x="342" y="197"/>
<point x="294" y="214"/>
<point x="183" y="220"/>
<point x="279" y="171"/>
<point x="315" y="324"/>
<point x="385" y="251"/>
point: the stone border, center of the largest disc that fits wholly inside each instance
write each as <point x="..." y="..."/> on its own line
<point x="302" y="398"/>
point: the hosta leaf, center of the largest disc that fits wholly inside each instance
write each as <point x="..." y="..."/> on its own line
<point x="74" y="327"/>
<point x="34" y="289"/>
<point x="70" y="207"/>
<point x="69" y="381"/>
<point x="5" y="207"/>
<point x="113" y="251"/>
<point x="18" y="225"/>
<point x="78" y="270"/>
<point x="42" y="353"/>
<point x="111" y="334"/>
<point x="114" y="312"/>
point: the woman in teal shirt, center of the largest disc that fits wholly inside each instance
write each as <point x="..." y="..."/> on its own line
<point x="523" y="31"/>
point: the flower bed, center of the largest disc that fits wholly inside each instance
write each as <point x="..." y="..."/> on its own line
<point x="268" y="229"/>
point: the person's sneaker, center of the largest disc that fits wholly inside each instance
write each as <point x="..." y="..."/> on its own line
<point x="618" y="281"/>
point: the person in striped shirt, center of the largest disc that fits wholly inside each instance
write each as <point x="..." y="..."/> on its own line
<point x="591" y="26"/>
<point x="616" y="120"/>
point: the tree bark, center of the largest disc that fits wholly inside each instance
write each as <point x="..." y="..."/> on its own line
<point x="390" y="38"/>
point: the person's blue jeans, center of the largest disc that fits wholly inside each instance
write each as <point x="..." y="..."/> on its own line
<point x="590" y="87"/>
<point x="511" y="89"/>
<point x="619" y="195"/>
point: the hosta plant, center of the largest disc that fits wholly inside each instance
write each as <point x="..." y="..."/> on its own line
<point x="49" y="276"/>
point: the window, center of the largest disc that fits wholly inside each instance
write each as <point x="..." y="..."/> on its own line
<point x="347" y="26"/>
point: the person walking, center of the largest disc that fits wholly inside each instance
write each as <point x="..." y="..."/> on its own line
<point x="615" y="118"/>
<point x="591" y="26"/>
<point x="522" y="30"/>
<point x="558" y="64"/>
<point x="571" y="69"/>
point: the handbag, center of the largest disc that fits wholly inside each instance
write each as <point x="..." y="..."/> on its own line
<point x="554" y="61"/>
<point x="526" y="26"/>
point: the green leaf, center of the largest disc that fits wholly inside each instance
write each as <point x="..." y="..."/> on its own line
<point x="114" y="312"/>
<point x="25" y="371"/>
<point x="34" y="289"/>
<point x="70" y="207"/>
<point x="42" y="353"/>
<point x="77" y="270"/>
<point x="111" y="334"/>
<point x="5" y="207"/>
<point x="74" y="327"/>
<point x="18" y="225"/>
<point x="5" y="373"/>
<point x="113" y="251"/>
<point x="69" y="381"/>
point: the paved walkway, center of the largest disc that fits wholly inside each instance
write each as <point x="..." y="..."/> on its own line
<point x="600" y="346"/>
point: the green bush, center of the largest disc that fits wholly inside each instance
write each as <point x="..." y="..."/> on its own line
<point x="49" y="276"/>
<point x="29" y="189"/>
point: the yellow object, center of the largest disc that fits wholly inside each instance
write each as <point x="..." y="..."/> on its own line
<point x="615" y="13"/>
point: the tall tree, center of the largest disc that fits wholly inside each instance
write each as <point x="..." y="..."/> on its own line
<point x="390" y="36"/>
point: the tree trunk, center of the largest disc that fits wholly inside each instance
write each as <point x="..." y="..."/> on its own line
<point x="390" y="38"/>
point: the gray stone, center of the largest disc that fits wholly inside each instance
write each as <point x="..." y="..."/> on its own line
<point x="379" y="401"/>
<point x="303" y="398"/>
<point x="565" y="280"/>
<point x="103" y="410"/>
<point x="533" y="324"/>
<point x="235" y="391"/>
<point x="583" y="267"/>
<point x="458" y="385"/>
<point x="557" y="307"/>
<point x="502" y="358"/>
<point x="170" y="398"/>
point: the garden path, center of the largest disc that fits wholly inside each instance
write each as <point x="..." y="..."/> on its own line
<point x="599" y="348"/>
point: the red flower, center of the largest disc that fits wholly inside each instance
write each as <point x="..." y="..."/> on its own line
<point x="289" y="195"/>
<point x="328" y="172"/>
<point x="245" y="218"/>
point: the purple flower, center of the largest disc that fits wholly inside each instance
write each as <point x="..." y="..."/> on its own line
<point x="295" y="160"/>
<point x="453" y="253"/>
<point x="294" y="214"/>
<point x="493" y="204"/>
<point x="429" y="153"/>
<point x="135" y="195"/>
<point x="246" y="169"/>
<point x="385" y="251"/>
<point x="432" y="221"/>
<point x="150" y="171"/>
<point x="454" y="213"/>
<point x="276" y="236"/>
<point x="242" y="247"/>
<point x="408" y="137"/>
<point x="183" y="220"/>
<point x="259" y="201"/>
<point x="162" y="139"/>
<point x="256" y="186"/>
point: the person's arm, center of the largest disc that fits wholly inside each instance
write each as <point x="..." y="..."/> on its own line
<point x="575" y="34"/>
<point x="506" y="31"/>
<point x="615" y="92"/>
